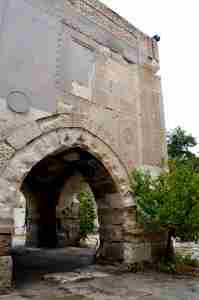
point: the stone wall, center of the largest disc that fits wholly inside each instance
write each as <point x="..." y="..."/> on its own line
<point x="5" y="245"/>
<point x="89" y="81"/>
<point x="104" y="88"/>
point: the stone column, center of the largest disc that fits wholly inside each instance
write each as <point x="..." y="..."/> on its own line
<point x="32" y="218"/>
<point x="67" y="211"/>
<point x="31" y="239"/>
<point x="122" y="239"/>
<point x="140" y="245"/>
<point x="6" y="228"/>
<point x="136" y="247"/>
<point x="111" y="220"/>
<point x="111" y="240"/>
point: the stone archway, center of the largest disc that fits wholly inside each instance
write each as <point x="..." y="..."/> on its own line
<point x="117" y="210"/>
<point x="55" y="142"/>
<point x="46" y="180"/>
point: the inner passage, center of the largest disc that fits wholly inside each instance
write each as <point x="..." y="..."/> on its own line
<point x="61" y="194"/>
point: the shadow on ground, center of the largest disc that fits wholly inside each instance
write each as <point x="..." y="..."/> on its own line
<point x="30" y="264"/>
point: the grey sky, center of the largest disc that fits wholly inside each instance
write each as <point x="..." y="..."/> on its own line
<point x="177" y="23"/>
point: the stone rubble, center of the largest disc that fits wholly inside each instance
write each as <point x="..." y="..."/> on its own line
<point x="74" y="276"/>
<point x="188" y="249"/>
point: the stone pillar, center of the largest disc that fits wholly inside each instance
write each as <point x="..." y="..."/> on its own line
<point x="67" y="211"/>
<point x="31" y="239"/>
<point x="6" y="228"/>
<point x="111" y="240"/>
<point x="31" y="216"/>
<point x="140" y="245"/>
<point x="122" y="239"/>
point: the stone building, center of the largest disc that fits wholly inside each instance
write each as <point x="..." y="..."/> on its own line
<point x="78" y="93"/>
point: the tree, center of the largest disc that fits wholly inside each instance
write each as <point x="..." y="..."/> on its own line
<point x="179" y="144"/>
<point x="169" y="202"/>
<point x="87" y="213"/>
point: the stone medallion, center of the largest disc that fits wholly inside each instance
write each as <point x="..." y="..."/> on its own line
<point x="18" y="102"/>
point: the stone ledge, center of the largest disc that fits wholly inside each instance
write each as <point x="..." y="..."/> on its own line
<point x="6" y="230"/>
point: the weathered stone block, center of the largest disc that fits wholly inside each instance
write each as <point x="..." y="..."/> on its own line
<point x="114" y="201"/>
<point x="112" y="251"/>
<point x="158" y="249"/>
<point x="7" y="194"/>
<point x="130" y="221"/>
<point x="54" y="123"/>
<point x="113" y="233"/>
<point x="22" y="136"/>
<point x="5" y="243"/>
<point x="5" y="273"/>
<point x="81" y="91"/>
<point x="128" y="141"/>
<point x="32" y="234"/>
<point x="6" y="217"/>
<point x="137" y="252"/>
<point x="51" y="142"/>
<point x="6" y="152"/>
<point x="110" y="216"/>
<point x="9" y="120"/>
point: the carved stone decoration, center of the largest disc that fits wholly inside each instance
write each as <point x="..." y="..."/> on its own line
<point x="128" y="136"/>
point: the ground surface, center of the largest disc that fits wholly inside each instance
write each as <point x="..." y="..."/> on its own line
<point x="99" y="283"/>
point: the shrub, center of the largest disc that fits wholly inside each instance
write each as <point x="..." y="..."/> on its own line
<point x="178" y="264"/>
<point x="87" y="213"/>
<point x="169" y="202"/>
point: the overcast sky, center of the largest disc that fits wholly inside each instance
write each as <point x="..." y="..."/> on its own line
<point x="177" y="23"/>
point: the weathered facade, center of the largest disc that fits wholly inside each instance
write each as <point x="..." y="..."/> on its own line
<point x="78" y="93"/>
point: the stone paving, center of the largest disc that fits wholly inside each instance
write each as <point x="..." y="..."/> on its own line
<point x="95" y="282"/>
<point x="149" y="286"/>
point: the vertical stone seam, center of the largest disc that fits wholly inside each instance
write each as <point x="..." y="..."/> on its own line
<point x="139" y="122"/>
<point x="4" y="17"/>
<point x="58" y="72"/>
<point x="162" y="124"/>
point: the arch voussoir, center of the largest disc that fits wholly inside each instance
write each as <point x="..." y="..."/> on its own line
<point x="58" y="140"/>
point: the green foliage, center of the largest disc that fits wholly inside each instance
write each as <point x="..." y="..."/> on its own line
<point x="177" y="264"/>
<point x="167" y="266"/>
<point x="195" y="162"/>
<point x="87" y="213"/>
<point x="179" y="144"/>
<point x="189" y="261"/>
<point x="170" y="201"/>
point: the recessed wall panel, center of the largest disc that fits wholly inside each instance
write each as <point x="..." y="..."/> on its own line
<point x="28" y="55"/>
